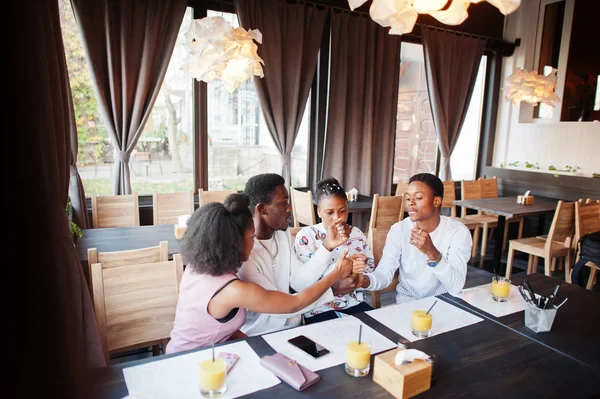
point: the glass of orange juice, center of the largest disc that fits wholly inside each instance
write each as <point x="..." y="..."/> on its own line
<point x="500" y="289"/>
<point x="212" y="377"/>
<point x="421" y="322"/>
<point x="358" y="358"/>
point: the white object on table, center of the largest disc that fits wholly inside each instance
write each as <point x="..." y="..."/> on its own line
<point x="481" y="298"/>
<point x="183" y="220"/>
<point x="332" y="335"/>
<point x="446" y="317"/>
<point x="179" y="376"/>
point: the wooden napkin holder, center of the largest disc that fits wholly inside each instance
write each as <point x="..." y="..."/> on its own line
<point x="521" y="199"/>
<point x="403" y="381"/>
<point x="179" y="231"/>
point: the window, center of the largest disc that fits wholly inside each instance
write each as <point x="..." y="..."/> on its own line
<point x="239" y="142"/>
<point x="163" y="158"/>
<point x="416" y="142"/>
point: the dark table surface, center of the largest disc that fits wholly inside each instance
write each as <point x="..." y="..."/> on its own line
<point x="486" y="359"/>
<point x="508" y="207"/>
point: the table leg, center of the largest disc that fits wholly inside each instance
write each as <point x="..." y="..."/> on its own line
<point x="498" y="237"/>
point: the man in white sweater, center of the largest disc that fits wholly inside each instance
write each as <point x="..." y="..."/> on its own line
<point x="273" y="264"/>
<point x="430" y="250"/>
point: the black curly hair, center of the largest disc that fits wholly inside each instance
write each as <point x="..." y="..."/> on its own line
<point x="330" y="187"/>
<point x="214" y="239"/>
<point x="260" y="188"/>
<point x="434" y="183"/>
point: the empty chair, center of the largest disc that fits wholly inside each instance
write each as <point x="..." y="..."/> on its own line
<point x="401" y="188"/>
<point x="166" y="207"/>
<point x="376" y="239"/>
<point x="303" y="208"/>
<point x="115" y="211"/>
<point x="556" y="244"/>
<point x="159" y="253"/>
<point x="204" y="197"/>
<point x="472" y="224"/>
<point x="587" y="220"/>
<point x="385" y="211"/>
<point x="135" y="304"/>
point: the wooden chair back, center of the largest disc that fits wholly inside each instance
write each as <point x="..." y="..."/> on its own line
<point x="166" y="207"/>
<point x="159" y="253"/>
<point x="587" y="218"/>
<point x="115" y="211"/>
<point x="401" y="188"/>
<point x="376" y="239"/>
<point x="563" y="224"/>
<point x="489" y="187"/>
<point x="294" y="231"/>
<point x="469" y="189"/>
<point x="303" y="208"/>
<point x="135" y="304"/>
<point x="386" y="210"/>
<point x="204" y="197"/>
<point x="449" y="197"/>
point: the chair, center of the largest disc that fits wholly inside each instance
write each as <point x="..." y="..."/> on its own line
<point x="115" y="211"/>
<point x="135" y="304"/>
<point x="376" y="241"/>
<point x="557" y="243"/>
<point x="302" y="207"/>
<point x="204" y="197"/>
<point x="159" y="253"/>
<point x="401" y="188"/>
<point x="166" y="207"/>
<point x="386" y="210"/>
<point x="489" y="189"/>
<point x="587" y="220"/>
<point x="448" y="202"/>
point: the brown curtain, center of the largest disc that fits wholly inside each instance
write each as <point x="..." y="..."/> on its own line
<point x="76" y="191"/>
<point x="451" y="66"/>
<point x="363" y="99"/>
<point x="61" y="340"/>
<point x="291" y="40"/>
<point x="128" y="47"/>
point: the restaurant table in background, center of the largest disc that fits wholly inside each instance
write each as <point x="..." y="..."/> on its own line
<point x="507" y="207"/>
<point x="486" y="359"/>
<point x="125" y="238"/>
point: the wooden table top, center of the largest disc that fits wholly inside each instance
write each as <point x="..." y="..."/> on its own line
<point x="485" y="359"/>
<point x="126" y="238"/>
<point x="508" y="207"/>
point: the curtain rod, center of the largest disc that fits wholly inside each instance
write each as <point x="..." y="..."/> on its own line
<point x="420" y="25"/>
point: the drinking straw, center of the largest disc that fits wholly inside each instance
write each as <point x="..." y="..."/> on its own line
<point x="359" y="333"/>
<point x="213" y="350"/>
<point x="431" y="307"/>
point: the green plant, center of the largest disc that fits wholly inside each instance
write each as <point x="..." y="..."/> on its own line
<point x="75" y="230"/>
<point x="532" y="166"/>
<point x="516" y="163"/>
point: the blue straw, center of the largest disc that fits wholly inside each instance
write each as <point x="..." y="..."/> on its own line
<point x="213" y="350"/>
<point x="431" y="307"/>
<point x="359" y="334"/>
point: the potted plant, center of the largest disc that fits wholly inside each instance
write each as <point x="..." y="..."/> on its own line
<point x="76" y="232"/>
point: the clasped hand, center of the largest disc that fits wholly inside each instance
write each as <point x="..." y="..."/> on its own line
<point x="337" y="234"/>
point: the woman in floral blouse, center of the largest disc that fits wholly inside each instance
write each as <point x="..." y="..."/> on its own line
<point x="332" y="207"/>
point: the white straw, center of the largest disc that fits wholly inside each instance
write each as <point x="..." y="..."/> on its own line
<point x="562" y="303"/>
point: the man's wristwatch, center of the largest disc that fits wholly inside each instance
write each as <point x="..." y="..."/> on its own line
<point x="434" y="263"/>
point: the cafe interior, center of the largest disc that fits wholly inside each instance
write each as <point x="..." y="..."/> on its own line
<point x="503" y="106"/>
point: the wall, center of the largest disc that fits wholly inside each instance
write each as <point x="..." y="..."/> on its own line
<point x="518" y="138"/>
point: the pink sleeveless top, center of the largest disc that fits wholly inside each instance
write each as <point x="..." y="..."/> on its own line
<point x="194" y="327"/>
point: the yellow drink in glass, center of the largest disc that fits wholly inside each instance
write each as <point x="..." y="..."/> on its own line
<point x="421" y="323"/>
<point x="358" y="358"/>
<point x="212" y="377"/>
<point x="500" y="289"/>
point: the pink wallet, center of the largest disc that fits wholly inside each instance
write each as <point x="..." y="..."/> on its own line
<point x="290" y="371"/>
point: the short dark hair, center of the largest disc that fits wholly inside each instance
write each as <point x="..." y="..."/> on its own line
<point x="214" y="239"/>
<point x="434" y="183"/>
<point x="330" y="187"/>
<point x="260" y="188"/>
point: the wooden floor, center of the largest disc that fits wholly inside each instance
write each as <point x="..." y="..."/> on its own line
<point x="389" y="298"/>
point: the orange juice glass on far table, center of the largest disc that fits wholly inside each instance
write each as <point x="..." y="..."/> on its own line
<point x="358" y="358"/>
<point x="212" y="378"/>
<point x="421" y="322"/>
<point x="500" y="289"/>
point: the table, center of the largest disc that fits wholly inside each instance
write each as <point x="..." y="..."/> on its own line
<point x="125" y="238"/>
<point x="486" y="359"/>
<point x="507" y="207"/>
<point x="572" y="332"/>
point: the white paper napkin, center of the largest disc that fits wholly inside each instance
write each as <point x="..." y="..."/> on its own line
<point x="481" y="298"/>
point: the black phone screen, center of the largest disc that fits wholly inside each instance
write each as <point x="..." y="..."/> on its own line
<point x="308" y="345"/>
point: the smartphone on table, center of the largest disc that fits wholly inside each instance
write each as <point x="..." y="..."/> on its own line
<point x="230" y="359"/>
<point x="309" y="346"/>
